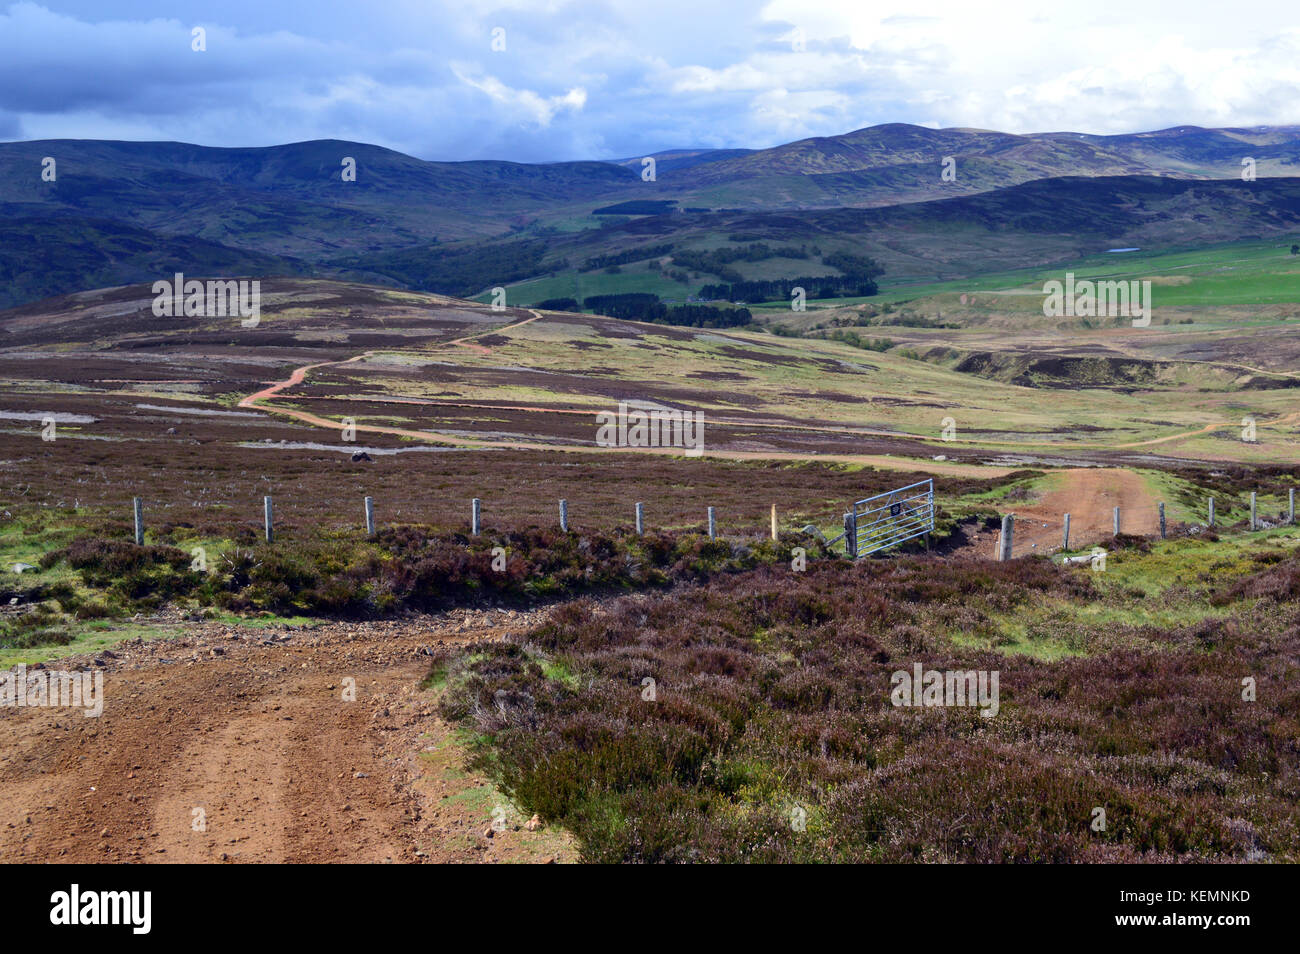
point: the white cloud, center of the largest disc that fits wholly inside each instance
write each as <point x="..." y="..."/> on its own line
<point x="523" y="103"/>
<point x="601" y="78"/>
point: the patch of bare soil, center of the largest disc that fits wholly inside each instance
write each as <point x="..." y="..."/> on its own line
<point x="1089" y="495"/>
<point x="243" y="744"/>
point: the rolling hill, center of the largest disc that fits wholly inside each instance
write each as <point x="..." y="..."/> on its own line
<point x="117" y="211"/>
<point x="1036" y="223"/>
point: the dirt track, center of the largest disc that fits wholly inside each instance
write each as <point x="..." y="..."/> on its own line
<point x="258" y="401"/>
<point x="262" y="400"/>
<point x="1089" y="495"/>
<point x="251" y="726"/>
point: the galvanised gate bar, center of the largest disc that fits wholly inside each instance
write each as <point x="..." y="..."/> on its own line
<point x="889" y="519"/>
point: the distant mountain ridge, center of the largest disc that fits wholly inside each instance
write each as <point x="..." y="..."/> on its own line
<point x="117" y="210"/>
<point x="1168" y="150"/>
<point x="891" y="163"/>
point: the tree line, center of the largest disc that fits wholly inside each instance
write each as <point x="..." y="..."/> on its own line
<point x="623" y="258"/>
<point x="821" y="286"/>
<point x="644" y="306"/>
<point x="716" y="261"/>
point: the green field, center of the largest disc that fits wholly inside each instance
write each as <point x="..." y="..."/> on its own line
<point x="1235" y="273"/>
<point x="1201" y="289"/>
<point x="579" y="285"/>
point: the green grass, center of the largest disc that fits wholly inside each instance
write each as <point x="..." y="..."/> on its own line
<point x="261" y="620"/>
<point x="579" y="285"/>
<point x="1164" y="589"/>
<point x="1234" y="273"/>
<point x="28" y="538"/>
<point x="1028" y="488"/>
<point x="1191" y="560"/>
<point x="90" y="636"/>
<point x="1014" y="638"/>
<point x="559" y="671"/>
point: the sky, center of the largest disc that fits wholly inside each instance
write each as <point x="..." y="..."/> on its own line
<point x="537" y="81"/>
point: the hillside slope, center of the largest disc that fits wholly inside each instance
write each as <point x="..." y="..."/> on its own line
<point x="117" y="208"/>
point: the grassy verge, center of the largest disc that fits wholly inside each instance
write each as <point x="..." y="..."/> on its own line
<point x="85" y="638"/>
<point x="83" y="586"/>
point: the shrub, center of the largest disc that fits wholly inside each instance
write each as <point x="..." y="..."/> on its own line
<point x="771" y="694"/>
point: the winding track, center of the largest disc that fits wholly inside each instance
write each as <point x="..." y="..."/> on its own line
<point x="258" y="401"/>
<point x="875" y="460"/>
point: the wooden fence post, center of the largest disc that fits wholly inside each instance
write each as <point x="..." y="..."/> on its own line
<point x="1291" y="509"/>
<point x="1211" y="523"/>
<point x="1008" y="531"/>
<point x="1254" y="523"/>
<point x="713" y="527"/>
<point x="564" y="516"/>
<point x="640" y="519"/>
<point x="1162" y="520"/>
<point x="266" y="519"/>
<point x="370" y="516"/>
<point x="138" y="505"/>
<point x="1065" y="533"/>
<point x="475" y="511"/>
<point x="851" y="535"/>
<point x="1117" y="521"/>
<point x="774" y="516"/>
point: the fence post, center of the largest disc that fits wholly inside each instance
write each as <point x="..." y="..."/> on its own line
<point x="370" y="516"/>
<point x="1253" y="522"/>
<point x="1008" y="530"/>
<point x="1291" y="509"/>
<point x="475" y="509"/>
<point x="1065" y="534"/>
<point x="1117" y="521"/>
<point x="138" y="506"/>
<point x="713" y="527"/>
<point x="640" y="519"/>
<point x="851" y="535"/>
<point x="1162" y="520"/>
<point x="564" y="516"/>
<point x="774" y="516"/>
<point x="1211" y="523"/>
<point x="266" y="519"/>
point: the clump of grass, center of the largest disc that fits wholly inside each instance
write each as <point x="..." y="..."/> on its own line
<point x="38" y="613"/>
<point x="142" y="577"/>
<point x="1278" y="582"/>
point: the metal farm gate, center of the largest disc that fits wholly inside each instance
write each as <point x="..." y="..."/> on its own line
<point x="889" y="519"/>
